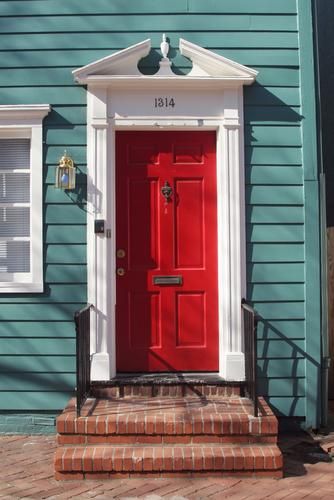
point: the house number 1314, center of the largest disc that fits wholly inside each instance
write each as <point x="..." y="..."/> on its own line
<point x="164" y="102"/>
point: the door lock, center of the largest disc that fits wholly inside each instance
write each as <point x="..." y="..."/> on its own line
<point x="120" y="271"/>
<point x="120" y="253"/>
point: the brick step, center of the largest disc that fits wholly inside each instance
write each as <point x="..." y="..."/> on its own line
<point x="105" y="419"/>
<point x="166" y="385"/>
<point x="97" y="462"/>
<point x="121" y="390"/>
<point x="118" y="439"/>
<point x="167" y="436"/>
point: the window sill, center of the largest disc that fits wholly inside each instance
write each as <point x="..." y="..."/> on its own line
<point x="21" y="288"/>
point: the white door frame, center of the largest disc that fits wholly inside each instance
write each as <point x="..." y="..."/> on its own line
<point x="202" y="103"/>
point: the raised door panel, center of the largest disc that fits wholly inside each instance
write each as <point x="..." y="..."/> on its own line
<point x="143" y="220"/>
<point x="190" y="319"/>
<point x="189" y="224"/>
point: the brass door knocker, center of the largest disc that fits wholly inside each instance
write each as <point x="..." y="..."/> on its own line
<point x="167" y="191"/>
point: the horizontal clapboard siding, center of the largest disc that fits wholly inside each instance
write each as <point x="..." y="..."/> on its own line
<point x="291" y="329"/>
<point x="277" y="349"/>
<point x="45" y="329"/>
<point x="278" y="233"/>
<point x="261" y="174"/>
<point x="55" y="7"/>
<point x="169" y="22"/>
<point x="284" y="387"/>
<point x="37" y="347"/>
<point x="39" y="382"/>
<point x="276" y="292"/>
<point x="263" y="155"/>
<point x="38" y="363"/>
<point x="40" y="44"/>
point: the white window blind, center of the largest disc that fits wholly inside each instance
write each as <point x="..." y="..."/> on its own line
<point x="15" y="207"/>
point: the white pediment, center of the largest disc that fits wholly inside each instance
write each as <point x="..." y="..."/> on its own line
<point x="122" y="67"/>
<point x="207" y="63"/>
<point x="123" y="62"/>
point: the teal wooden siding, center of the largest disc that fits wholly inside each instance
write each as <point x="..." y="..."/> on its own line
<point x="40" y="44"/>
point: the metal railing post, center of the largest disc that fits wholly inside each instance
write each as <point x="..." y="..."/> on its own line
<point x="250" y="335"/>
<point x="82" y="328"/>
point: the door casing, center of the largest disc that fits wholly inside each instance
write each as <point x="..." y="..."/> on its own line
<point x="111" y="109"/>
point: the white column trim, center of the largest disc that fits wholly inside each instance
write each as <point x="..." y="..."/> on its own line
<point x="98" y="246"/>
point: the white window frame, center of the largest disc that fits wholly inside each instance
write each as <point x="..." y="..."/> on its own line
<point x="25" y="121"/>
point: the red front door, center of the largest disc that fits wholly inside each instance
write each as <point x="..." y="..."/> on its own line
<point x="166" y="224"/>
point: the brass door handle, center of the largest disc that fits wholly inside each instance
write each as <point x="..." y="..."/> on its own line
<point x="120" y="271"/>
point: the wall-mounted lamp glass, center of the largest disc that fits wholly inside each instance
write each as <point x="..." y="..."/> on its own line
<point x="65" y="173"/>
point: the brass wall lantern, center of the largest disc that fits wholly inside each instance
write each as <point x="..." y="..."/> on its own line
<point x="65" y="173"/>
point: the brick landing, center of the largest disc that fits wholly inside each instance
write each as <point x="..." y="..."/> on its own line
<point x="189" y="435"/>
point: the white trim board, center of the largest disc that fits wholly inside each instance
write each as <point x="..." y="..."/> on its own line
<point x="210" y="97"/>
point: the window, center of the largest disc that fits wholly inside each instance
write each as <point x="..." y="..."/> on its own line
<point x="21" y="216"/>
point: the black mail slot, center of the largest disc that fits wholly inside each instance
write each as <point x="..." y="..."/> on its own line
<point x="167" y="280"/>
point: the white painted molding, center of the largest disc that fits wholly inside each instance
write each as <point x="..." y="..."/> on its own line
<point x="12" y="287"/>
<point x="25" y="121"/>
<point x="165" y="64"/>
<point x="209" y="98"/>
<point x="207" y="63"/>
<point x="123" y="62"/>
<point x="162" y="80"/>
<point x="100" y="366"/>
<point x="24" y="112"/>
<point x="121" y="68"/>
<point x="164" y="47"/>
<point x="233" y="366"/>
<point x="99" y="254"/>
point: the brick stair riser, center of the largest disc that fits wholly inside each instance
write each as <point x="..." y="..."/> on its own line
<point x="165" y="391"/>
<point x="168" y="459"/>
<point x="128" y="439"/>
<point x="98" y="476"/>
<point x="132" y="424"/>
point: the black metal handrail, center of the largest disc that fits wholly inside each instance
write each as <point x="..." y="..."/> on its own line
<point x="250" y="318"/>
<point x="82" y="328"/>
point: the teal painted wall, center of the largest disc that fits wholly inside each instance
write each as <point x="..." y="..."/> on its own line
<point x="40" y="44"/>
